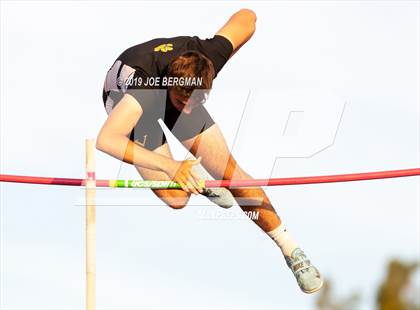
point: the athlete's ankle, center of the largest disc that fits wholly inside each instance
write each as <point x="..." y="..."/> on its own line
<point x="282" y="238"/>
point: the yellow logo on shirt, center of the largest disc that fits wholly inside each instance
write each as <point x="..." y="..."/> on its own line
<point x="164" y="47"/>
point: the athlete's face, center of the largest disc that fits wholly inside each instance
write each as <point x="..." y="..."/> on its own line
<point x="182" y="104"/>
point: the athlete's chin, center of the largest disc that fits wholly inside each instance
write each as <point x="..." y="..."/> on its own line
<point x="177" y="107"/>
<point x="181" y="108"/>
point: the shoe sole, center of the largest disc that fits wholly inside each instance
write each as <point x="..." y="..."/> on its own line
<point x="315" y="289"/>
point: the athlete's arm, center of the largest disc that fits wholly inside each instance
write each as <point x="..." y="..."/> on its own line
<point x="239" y="28"/>
<point x="113" y="136"/>
<point x="113" y="140"/>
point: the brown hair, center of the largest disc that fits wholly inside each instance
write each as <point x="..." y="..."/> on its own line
<point x="191" y="64"/>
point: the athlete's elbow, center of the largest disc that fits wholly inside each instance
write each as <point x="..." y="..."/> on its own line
<point x="249" y="15"/>
<point x="102" y="143"/>
<point x="99" y="144"/>
<point x="249" y="20"/>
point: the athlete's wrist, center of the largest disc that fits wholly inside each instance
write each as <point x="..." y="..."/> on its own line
<point x="167" y="165"/>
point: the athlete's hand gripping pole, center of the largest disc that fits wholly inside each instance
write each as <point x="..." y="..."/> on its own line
<point x="181" y="172"/>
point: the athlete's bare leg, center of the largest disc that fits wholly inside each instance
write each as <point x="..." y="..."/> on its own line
<point x="174" y="198"/>
<point x="220" y="163"/>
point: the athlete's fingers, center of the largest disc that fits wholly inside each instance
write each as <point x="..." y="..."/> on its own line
<point x="181" y="181"/>
<point x="183" y="186"/>
<point x="191" y="187"/>
<point x="197" y="181"/>
<point x="195" y="184"/>
<point x="192" y="179"/>
<point x="196" y="176"/>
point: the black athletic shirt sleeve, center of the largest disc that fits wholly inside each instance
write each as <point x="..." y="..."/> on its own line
<point x="218" y="49"/>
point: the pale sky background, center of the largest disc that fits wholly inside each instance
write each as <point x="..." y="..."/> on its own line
<point x="350" y="67"/>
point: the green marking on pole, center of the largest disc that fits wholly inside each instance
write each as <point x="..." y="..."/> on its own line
<point x="146" y="184"/>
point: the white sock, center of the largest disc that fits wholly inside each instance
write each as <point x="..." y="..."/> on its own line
<point x="281" y="237"/>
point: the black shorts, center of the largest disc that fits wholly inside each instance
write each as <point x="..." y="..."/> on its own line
<point x="148" y="132"/>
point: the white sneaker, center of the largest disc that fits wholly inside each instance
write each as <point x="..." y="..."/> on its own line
<point x="306" y="274"/>
<point x="220" y="195"/>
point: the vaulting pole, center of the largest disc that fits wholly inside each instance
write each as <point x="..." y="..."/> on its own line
<point x="90" y="226"/>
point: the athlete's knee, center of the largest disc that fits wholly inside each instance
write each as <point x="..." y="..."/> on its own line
<point x="177" y="204"/>
<point x="177" y="207"/>
<point x="233" y="171"/>
<point x="175" y="199"/>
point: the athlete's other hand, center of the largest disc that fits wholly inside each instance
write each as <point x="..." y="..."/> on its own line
<point x="181" y="172"/>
